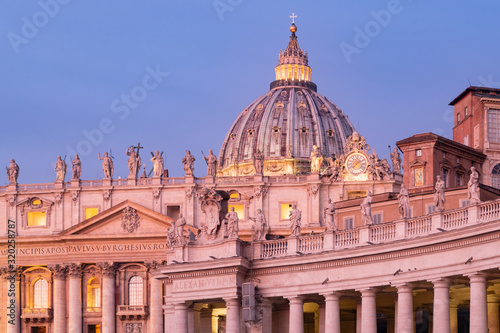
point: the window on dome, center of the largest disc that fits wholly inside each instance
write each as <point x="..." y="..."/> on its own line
<point x="303" y="129"/>
<point x="495" y="176"/>
<point x="251" y="132"/>
<point x="276" y="129"/>
<point x="330" y="133"/>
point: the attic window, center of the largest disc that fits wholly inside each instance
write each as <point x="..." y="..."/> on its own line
<point x="251" y="132"/>
<point x="418" y="152"/>
<point x="330" y="133"/>
<point x="303" y="129"/>
<point x="276" y="129"/>
<point x="232" y="136"/>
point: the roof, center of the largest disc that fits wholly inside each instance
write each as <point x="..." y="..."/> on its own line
<point x="476" y="90"/>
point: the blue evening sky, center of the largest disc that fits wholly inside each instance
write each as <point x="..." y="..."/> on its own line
<point x="66" y="71"/>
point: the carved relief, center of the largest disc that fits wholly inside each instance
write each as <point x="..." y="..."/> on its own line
<point x="275" y="167"/>
<point x="211" y="207"/>
<point x="133" y="328"/>
<point x="130" y="219"/>
<point x="11" y="199"/>
<point x="261" y="191"/>
<point x="247" y="170"/>
<point x="156" y="194"/>
<point x="190" y="192"/>
<point x="107" y="268"/>
<point x="106" y="195"/>
<point x="313" y="190"/>
<point x="151" y="264"/>
<point x="58" y="198"/>
<point x="74" y="196"/>
<point x="59" y="271"/>
<point x="74" y="270"/>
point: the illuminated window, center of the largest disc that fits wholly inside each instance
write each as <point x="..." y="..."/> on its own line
<point x="41" y="294"/>
<point x="94" y="293"/>
<point x="276" y="129"/>
<point x="36" y="219"/>
<point x="356" y="194"/>
<point x="239" y="209"/>
<point x="234" y="195"/>
<point x="303" y="129"/>
<point x="285" y="211"/>
<point x="330" y="133"/>
<point x="135" y="290"/>
<point x="91" y="212"/>
<point x="36" y="202"/>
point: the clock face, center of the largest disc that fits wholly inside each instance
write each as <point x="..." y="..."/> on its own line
<point x="357" y="164"/>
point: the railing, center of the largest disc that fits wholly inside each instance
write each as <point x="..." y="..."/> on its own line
<point x="347" y="238"/>
<point x="311" y="243"/>
<point x="274" y="248"/>
<point x="455" y="218"/>
<point x="383" y="232"/>
<point x="37" y="313"/>
<point x="418" y="226"/>
<point x="489" y="211"/>
<point x="92" y="309"/>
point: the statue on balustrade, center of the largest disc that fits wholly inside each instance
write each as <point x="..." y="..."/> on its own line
<point x="295" y="220"/>
<point x="76" y="168"/>
<point x="188" y="161"/>
<point x="329" y="213"/>
<point x="134" y="161"/>
<point x="158" y="164"/>
<point x="473" y="184"/>
<point x="211" y="160"/>
<point x="232" y="224"/>
<point x="396" y="161"/>
<point x="316" y="159"/>
<point x="258" y="162"/>
<point x="439" y="198"/>
<point x="60" y="169"/>
<point x="404" y="202"/>
<point x="366" y="209"/>
<point x="260" y="227"/>
<point x="107" y="165"/>
<point x="13" y="171"/>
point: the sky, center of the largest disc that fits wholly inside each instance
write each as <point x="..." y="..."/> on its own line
<point x="94" y="76"/>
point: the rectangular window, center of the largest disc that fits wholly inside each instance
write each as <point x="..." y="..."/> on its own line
<point x="431" y="209"/>
<point x="418" y="152"/>
<point x="239" y="209"/>
<point x="356" y="194"/>
<point x="445" y="177"/>
<point x="173" y="211"/>
<point x="464" y="203"/>
<point x="466" y="140"/>
<point x="285" y="211"/>
<point x="37" y="219"/>
<point x="494" y="125"/>
<point x="377" y="218"/>
<point x="459" y="179"/>
<point x="91" y="212"/>
<point x="348" y="223"/>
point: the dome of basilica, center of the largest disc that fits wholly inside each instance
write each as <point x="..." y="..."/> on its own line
<point x="285" y="124"/>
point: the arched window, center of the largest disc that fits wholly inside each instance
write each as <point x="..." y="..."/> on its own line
<point x="495" y="176"/>
<point x="94" y="293"/>
<point x="135" y="290"/>
<point x="41" y="294"/>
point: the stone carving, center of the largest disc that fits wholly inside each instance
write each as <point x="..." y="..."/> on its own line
<point x="316" y="159"/>
<point x="60" y="169"/>
<point x="106" y="195"/>
<point x="153" y="264"/>
<point x="275" y="167"/>
<point x="258" y="162"/>
<point x="404" y="202"/>
<point x="175" y="235"/>
<point x="133" y="327"/>
<point x="158" y="163"/>
<point x="76" y="168"/>
<point x="379" y="169"/>
<point x="188" y="161"/>
<point x="134" y="161"/>
<point x="107" y="268"/>
<point x="260" y="227"/>
<point x="366" y="209"/>
<point x="396" y="161"/>
<point x="13" y="171"/>
<point x="130" y="219"/>
<point x="58" y="198"/>
<point x="356" y="142"/>
<point x="156" y="194"/>
<point x="329" y="213"/>
<point x="190" y="191"/>
<point x="211" y="207"/>
<point x="313" y="190"/>
<point x="211" y="160"/>
<point x="74" y="270"/>
<point x="107" y="165"/>
<point x="59" y="271"/>
<point x="232" y="224"/>
<point x="295" y="220"/>
<point x="260" y="191"/>
<point x="11" y="199"/>
<point x="473" y="184"/>
<point x="74" y="196"/>
<point x="439" y="199"/>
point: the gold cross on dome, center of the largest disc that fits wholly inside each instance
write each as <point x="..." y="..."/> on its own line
<point x="293" y="17"/>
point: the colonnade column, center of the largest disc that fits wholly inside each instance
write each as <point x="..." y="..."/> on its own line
<point x="368" y="311"/>
<point x="60" y="324"/>
<point x="296" y="323"/>
<point x="493" y="315"/>
<point x="233" y="309"/>
<point x="75" y="298"/>
<point x="156" y="316"/>
<point x="405" y="309"/>
<point x="181" y="318"/>
<point x="267" y="315"/>
<point x="478" y="307"/>
<point x="441" y="321"/>
<point x="108" y="297"/>
<point x="332" y="312"/>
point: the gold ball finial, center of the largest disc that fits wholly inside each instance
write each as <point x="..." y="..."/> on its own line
<point x="293" y="28"/>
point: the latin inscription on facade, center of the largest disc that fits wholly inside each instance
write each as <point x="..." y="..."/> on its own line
<point x="205" y="283"/>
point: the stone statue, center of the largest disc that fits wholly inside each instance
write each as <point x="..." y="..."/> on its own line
<point x="396" y="161"/>
<point x="171" y="235"/>
<point x="473" y="184"/>
<point x="188" y="162"/>
<point x="258" y="162"/>
<point x="232" y="224"/>
<point x="179" y="229"/>
<point x="439" y="199"/>
<point x="76" y="168"/>
<point x="60" y="169"/>
<point x="158" y="164"/>
<point x="366" y="209"/>
<point x="295" y="218"/>
<point x="107" y="165"/>
<point x="260" y="228"/>
<point x="329" y="213"/>
<point x="404" y="202"/>
<point x="134" y="161"/>
<point x="210" y="207"/>
<point x="211" y="160"/>
<point x="316" y="160"/>
<point x="13" y="171"/>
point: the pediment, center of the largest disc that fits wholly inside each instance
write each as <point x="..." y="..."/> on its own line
<point x="123" y="220"/>
<point x="417" y="162"/>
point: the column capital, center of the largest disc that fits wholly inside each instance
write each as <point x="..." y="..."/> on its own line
<point x="441" y="283"/>
<point x="368" y="292"/>
<point x="477" y="277"/>
<point x="232" y="300"/>
<point x="295" y="299"/>
<point x="332" y="296"/>
<point x="74" y="270"/>
<point x="180" y="305"/>
<point x="107" y="268"/>
<point x="405" y="288"/>
<point x="59" y="271"/>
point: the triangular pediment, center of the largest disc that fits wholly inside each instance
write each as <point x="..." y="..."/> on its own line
<point x="123" y="220"/>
